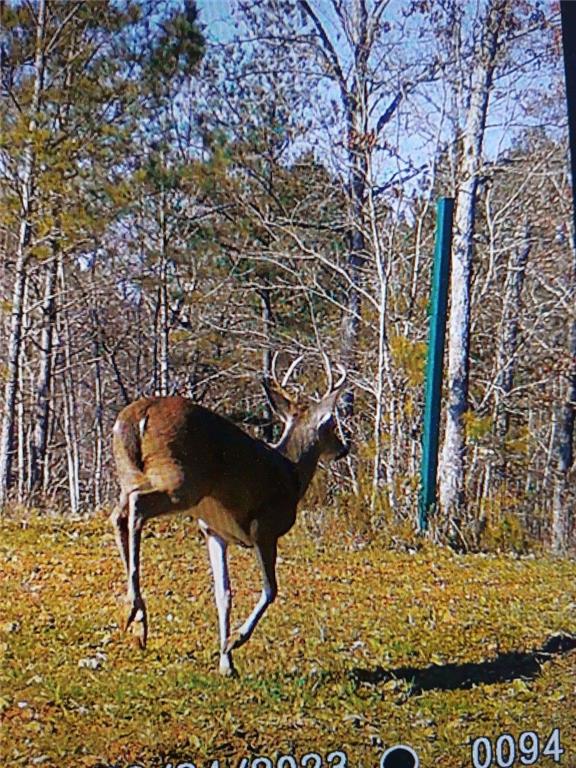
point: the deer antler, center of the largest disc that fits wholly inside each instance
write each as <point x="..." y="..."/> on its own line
<point x="289" y="372"/>
<point x="273" y="369"/>
<point x="328" y="369"/>
<point x="343" y="373"/>
<point x="330" y="376"/>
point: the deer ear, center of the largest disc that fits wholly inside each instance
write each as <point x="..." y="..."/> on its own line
<point x="279" y="403"/>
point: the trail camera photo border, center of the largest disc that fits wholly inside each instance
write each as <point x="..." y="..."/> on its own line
<point x="374" y="649"/>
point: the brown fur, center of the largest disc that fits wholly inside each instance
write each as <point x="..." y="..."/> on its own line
<point x="206" y="466"/>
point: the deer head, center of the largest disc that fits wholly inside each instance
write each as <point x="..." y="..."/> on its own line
<point x="309" y="428"/>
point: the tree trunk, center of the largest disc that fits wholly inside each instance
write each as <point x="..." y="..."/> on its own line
<point x="453" y="451"/>
<point x="562" y="508"/>
<point x="22" y="430"/>
<point x="355" y="107"/>
<point x="508" y="337"/>
<point x="268" y="323"/>
<point x="562" y="502"/>
<point x="383" y="372"/>
<point x="98" y="418"/>
<point x="98" y="397"/>
<point x="356" y="260"/>
<point x="27" y="195"/>
<point x="44" y="385"/>
<point x="164" y="304"/>
<point x="69" y="402"/>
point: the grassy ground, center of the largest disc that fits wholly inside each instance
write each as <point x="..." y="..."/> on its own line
<point x="364" y="648"/>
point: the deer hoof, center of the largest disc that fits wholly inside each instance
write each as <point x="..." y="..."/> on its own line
<point x="226" y="667"/>
<point x="137" y="617"/>
<point x="235" y="640"/>
<point x="140" y="632"/>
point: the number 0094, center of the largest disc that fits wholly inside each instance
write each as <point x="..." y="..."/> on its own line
<point x="506" y="751"/>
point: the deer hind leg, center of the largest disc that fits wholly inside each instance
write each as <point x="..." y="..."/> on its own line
<point x="119" y="520"/>
<point x="217" y="551"/>
<point x="266" y="556"/>
<point x="141" y="507"/>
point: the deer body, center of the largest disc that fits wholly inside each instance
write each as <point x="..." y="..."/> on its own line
<point x="195" y="460"/>
<point x="173" y="455"/>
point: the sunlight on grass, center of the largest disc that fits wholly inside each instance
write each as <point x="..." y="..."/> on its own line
<point x="342" y="660"/>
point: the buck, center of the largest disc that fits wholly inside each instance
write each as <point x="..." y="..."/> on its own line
<point x="173" y="455"/>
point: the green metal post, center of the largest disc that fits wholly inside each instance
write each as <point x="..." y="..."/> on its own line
<point x="435" y="364"/>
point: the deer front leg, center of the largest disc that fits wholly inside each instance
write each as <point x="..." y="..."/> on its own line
<point x="266" y="556"/>
<point x="217" y="551"/>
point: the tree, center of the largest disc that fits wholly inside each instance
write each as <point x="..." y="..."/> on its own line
<point x="491" y="33"/>
<point x="68" y="126"/>
<point x="27" y="197"/>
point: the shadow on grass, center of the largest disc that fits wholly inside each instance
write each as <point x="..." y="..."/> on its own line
<point x="506" y="667"/>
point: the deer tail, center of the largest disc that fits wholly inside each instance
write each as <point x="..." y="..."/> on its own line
<point x="127" y="443"/>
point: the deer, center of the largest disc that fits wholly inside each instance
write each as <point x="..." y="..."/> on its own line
<point x="173" y="455"/>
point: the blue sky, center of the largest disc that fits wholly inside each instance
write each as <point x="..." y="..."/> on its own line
<point x="507" y="118"/>
<point x="216" y="17"/>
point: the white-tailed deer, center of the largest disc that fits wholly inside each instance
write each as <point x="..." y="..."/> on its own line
<point x="173" y="455"/>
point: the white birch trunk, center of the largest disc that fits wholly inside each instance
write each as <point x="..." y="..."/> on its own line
<point x="164" y="304"/>
<point x="98" y="397"/>
<point x="383" y="372"/>
<point x="44" y="385"/>
<point x="452" y="458"/>
<point x="21" y="490"/>
<point x="69" y="403"/>
<point x="99" y="404"/>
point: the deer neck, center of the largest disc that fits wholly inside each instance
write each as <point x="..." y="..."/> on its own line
<point x="303" y="454"/>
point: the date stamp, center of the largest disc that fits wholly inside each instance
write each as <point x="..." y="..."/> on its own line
<point x="506" y="751"/>
<point x="335" y="759"/>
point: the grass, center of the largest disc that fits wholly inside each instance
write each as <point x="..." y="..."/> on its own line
<point x="364" y="648"/>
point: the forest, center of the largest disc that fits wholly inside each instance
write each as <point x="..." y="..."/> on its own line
<point x="188" y="188"/>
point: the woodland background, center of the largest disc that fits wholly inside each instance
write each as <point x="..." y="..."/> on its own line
<point x="186" y="188"/>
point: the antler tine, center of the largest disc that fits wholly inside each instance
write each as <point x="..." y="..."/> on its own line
<point x="290" y="370"/>
<point x="273" y="368"/>
<point x="343" y="373"/>
<point x="329" y="375"/>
